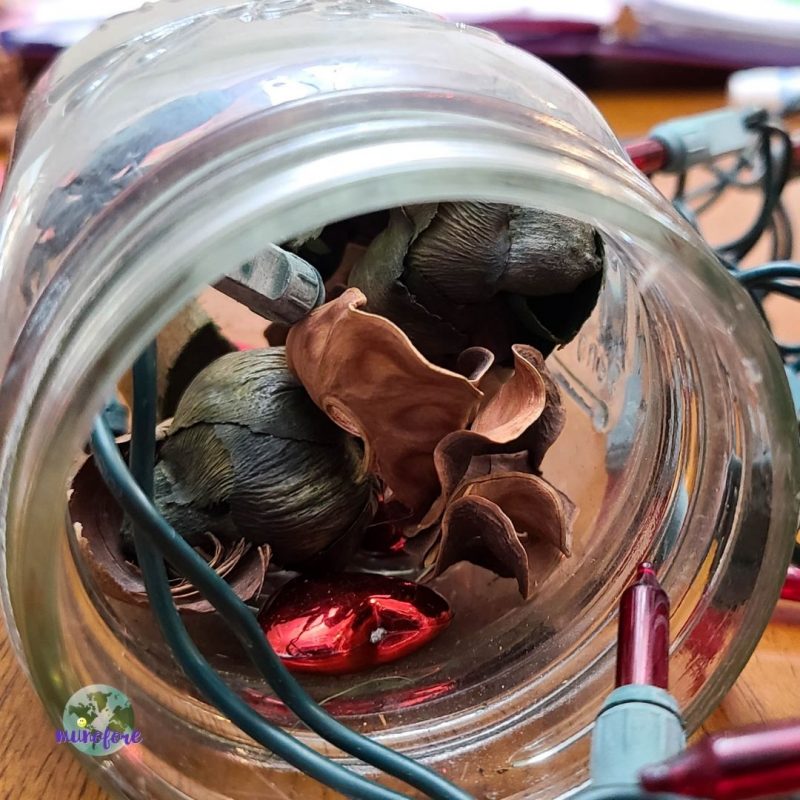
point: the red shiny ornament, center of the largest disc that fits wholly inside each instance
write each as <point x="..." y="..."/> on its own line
<point x="351" y="621"/>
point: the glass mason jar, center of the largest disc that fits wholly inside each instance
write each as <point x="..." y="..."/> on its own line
<point x="168" y="148"/>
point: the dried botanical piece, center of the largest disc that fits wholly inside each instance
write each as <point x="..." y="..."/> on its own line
<point x="378" y="275"/>
<point x="453" y="275"/>
<point x="538" y="439"/>
<point x="97" y="520"/>
<point x="363" y="371"/>
<point x="461" y="459"/>
<point x="327" y="248"/>
<point x="513" y="523"/>
<point x="462" y="456"/>
<point x="516" y="405"/>
<point x="494" y="512"/>
<point x="249" y="456"/>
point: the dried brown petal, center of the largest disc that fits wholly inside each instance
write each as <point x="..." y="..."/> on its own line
<point x="544" y="432"/>
<point x="518" y="403"/>
<point x="365" y="373"/>
<point x="97" y="521"/>
<point x="475" y="364"/>
<point x="461" y="456"/>
<point x="476" y="530"/>
<point x="515" y="524"/>
<point x="511" y="432"/>
<point x="536" y="508"/>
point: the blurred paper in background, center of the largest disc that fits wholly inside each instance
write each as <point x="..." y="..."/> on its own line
<point x="729" y="32"/>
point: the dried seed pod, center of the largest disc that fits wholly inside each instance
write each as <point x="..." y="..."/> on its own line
<point x="471" y="251"/>
<point x="458" y="450"/>
<point x="449" y="273"/>
<point x="97" y="519"/>
<point x="250" y="456"/>
<point x="399" y="403"/>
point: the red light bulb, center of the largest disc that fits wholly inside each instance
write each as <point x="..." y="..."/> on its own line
<point x="753" y="762"/>
<point x="791" y="587"/>
<point x="648" y="155"/>
<point x="643" y="645"/>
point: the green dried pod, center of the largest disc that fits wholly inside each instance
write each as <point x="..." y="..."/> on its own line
<point x="449" y="273"/>
<point x="249" y="455"/>
<point x="463" y="252"/>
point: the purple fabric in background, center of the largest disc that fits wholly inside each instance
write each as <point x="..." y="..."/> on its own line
<point x="545" y="38"/>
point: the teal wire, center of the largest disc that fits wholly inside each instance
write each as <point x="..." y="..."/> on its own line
<point x="142" y="454"/>
<point x="197" y="669"/>
<point x="160" y="535"/>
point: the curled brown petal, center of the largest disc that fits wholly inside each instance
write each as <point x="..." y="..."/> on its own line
<point x="97" y="522"/>
<point x="474" y="364"/>
<point x="474" y="529"/>
<point x="515" y="524"/>
<point x="461" y="456"/>
<point x="543" y="433"/>
<point x="517" y="404"/>
<point x="455" y="453"/>
<point x="365" y="373"/>
<point x="535" y="508"/>
<point x="527" y="408"/>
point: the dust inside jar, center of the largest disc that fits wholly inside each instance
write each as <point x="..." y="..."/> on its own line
<point x="368" y="477"/>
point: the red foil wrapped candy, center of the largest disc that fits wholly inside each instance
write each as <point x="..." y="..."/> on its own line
<point x="351" y="621"/>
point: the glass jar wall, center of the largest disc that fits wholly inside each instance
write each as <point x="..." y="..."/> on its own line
<point x="171" y="146"/>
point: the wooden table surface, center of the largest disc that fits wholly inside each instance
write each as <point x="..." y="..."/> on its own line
<point x="32" y="766"/>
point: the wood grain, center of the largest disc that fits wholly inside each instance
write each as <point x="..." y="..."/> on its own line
<point x="32" y="766"/>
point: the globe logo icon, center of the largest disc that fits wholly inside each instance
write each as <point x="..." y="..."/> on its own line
<point x="98" y="721"/>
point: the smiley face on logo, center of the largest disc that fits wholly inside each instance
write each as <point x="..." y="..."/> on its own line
<point x="81" y="722"/>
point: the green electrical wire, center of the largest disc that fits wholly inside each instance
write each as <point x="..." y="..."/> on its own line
<point x="153" y="536"/>
<point x="197" y="669"/>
